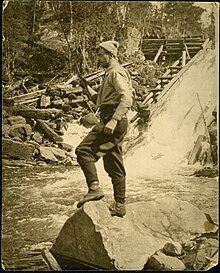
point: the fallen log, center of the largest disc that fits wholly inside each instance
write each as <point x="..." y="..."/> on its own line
<point x="26" y="97"/>
<point x="92" y="76"/>
<point x="17" y="84"/>
<point x="73" y="90"/>
<point x="27" y="101"/>
<point x="79" y="100"/>
<point x="49" y="132"/>
<point x="39" y="113"/>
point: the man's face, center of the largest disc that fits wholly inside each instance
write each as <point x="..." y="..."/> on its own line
<point x="103" y="57"/>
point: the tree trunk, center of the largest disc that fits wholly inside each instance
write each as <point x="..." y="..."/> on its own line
<point x="71" y="36"/>
<point x="34" y="17"/>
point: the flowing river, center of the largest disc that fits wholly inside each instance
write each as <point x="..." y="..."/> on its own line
<point x="36" y="201"/>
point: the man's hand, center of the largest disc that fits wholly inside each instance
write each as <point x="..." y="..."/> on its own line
<point x="110" y="127"/>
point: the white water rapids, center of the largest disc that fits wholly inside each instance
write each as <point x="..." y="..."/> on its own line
<point x="176" y="121"/>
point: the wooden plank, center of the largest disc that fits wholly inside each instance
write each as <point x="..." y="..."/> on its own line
<point x="153" y="40"/>
<point x="172" y="40"/>
<point x="29" y="96"/>
<point x="194" y="39"/>
<point x="194" y="155"/>
<point x="183" y="58"/>
<point x="170" y="49"/>
<point x="206" y="44"/>
<point x="73" y="78"/>
<point x="166" y="73"/>
<point x="194" y="43"/>
<point x="166" y="77"/>
<point x="78" y="100"/>
<point x="174" y="44"/>
<point x="50" y="260"/>
<point x="187" y="52"/>
<point x="74" y="90"/>
<point x="158" y="54"/>
<point x="156" y="90"/>
<point x="190" y="48"/>
<point x="27" y="101"/>
<point x="151" y="46"/>
<point x="175" y="67"/>
<point x="146" y="100"/>
<point x="174" y="54"/>
<point x="44" y="101"/>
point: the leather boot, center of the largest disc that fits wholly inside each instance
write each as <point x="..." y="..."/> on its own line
<point x="118" y="209"/>
<point x="95" y="193"/>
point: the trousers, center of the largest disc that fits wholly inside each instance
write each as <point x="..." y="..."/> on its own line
<point x="96" y="145"/>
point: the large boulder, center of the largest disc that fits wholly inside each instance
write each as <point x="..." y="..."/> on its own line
<point x="23" y="131"/>
<point x="46" y="154"/>
<point x="37" y="137"/>
<point x="17" y="149"/>
<point x="92" y="236"/>
<point x="16" y="120"/>
<point x="58" y="153"/>
<point x="161" y="261"/>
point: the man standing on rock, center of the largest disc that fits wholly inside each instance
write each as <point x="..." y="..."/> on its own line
<point x="105" y="139"/>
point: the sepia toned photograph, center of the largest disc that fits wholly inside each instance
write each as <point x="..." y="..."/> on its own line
<point x="110" y="135"/>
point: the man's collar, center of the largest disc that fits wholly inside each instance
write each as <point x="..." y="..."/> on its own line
<point x="115" y="64"/>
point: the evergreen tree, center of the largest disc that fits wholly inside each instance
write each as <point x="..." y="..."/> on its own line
<point x="182" y="18"/>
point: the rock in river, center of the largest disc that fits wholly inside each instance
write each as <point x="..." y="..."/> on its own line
<point x="92" y="236"/>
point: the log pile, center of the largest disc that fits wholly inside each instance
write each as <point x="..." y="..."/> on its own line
<point x="35" y="140"/>
<point x="34" y="121"/>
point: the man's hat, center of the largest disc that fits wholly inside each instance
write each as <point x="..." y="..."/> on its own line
<point x="110" y="46"/>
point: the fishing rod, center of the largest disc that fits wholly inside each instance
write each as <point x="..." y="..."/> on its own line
<point x="83" y="80"/>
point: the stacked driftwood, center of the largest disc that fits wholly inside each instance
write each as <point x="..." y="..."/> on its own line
<point x="34" y="122"/>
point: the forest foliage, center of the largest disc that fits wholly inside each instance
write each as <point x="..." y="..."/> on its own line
<point x="61" y="37"/>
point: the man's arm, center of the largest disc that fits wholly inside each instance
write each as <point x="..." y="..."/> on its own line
<point x="93" y="93"/>
<point x="121" y="84"/>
